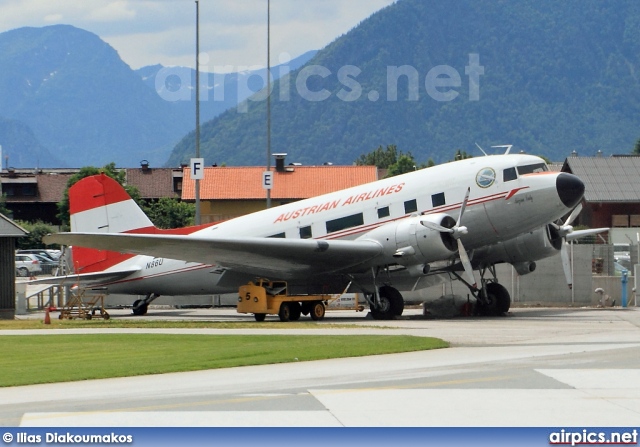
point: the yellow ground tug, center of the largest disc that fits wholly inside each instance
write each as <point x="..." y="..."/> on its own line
<point x="271" y="298"/>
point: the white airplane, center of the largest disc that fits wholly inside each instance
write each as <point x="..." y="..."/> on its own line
<point x="397" y="234"/>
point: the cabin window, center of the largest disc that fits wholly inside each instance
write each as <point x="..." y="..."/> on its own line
<point x="383" y="212"/>
<point x="438" y="199"/>
<point x="279" y="235"/>
<point x="410" y="206"/>
<point x="532" y="169"/>
<point x="509" y="174"/>
<point x="345" y="222"/>
<point x="305" y="232"/>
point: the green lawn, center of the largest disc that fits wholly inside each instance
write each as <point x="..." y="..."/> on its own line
<point x="31" y="359"/>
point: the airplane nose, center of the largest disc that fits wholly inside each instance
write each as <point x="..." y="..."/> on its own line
<point x="570" y="189"/>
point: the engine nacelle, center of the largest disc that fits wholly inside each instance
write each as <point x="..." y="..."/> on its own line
<point x="524" y="250"/>
<point x="407" y="242"/>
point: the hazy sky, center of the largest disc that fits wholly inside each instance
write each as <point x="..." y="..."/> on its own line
<point x="232" y="32"/>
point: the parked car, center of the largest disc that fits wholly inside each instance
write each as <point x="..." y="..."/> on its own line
<point x="27" y="264"/>
<point x="37" y="251"/>
<point x="47" y="265"/>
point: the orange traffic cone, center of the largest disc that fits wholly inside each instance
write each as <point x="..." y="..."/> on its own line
<point x="47" y="318"/>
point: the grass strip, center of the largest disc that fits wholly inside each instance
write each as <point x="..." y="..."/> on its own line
<point x="119" y="323"/>
<point x="32" y="359"/>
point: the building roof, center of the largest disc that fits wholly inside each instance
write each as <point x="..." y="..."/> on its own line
<point x="301" y="182"/>
<point x="50" y="187"/>
<point x="607" y="179"/>
<point x="153" y="183"/>
<point x="9" y="228"/>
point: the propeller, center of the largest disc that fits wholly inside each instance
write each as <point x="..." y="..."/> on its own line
<point x="566" y="232"/>
<point x="563" y="231"/>
<point x="457" y="231"/>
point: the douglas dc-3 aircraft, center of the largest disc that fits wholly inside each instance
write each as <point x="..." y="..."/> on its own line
<point x="397" y="234"/>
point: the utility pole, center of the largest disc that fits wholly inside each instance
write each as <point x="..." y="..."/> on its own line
<point x="198" y="218"/>
<point x="268" y="97"/>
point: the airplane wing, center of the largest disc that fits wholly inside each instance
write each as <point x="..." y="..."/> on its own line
<point x="87" y="279"/>
<point x="284" y="258"/>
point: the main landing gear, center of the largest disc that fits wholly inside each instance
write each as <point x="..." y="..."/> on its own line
<point x="386" y="302"/>
<point x="140" y="307"/>
<point x="492" y="298"/>
<point x="387" y="305"/>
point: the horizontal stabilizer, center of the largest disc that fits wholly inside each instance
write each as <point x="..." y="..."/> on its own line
<point x="87" y="279"/>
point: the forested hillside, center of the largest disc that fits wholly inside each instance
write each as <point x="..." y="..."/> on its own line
<point x="547" y="76"/>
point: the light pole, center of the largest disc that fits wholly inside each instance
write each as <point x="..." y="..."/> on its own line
<point x="268" y="97"/>
<point x="198" y="218"/>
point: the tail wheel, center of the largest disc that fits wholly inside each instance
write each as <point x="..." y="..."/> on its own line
<point x="317" y="311"/>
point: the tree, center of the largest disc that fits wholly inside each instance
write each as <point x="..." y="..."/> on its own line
<point x="382" y="158"/>
<point x="37" y="230"/>
<point x="170" y="213"/>
<point x="3" y="205"/>
<point x="405" y="164"/>
<point x="110" y="170"/>
<point x="636" y="148"/>
<point x="461" y="155"/>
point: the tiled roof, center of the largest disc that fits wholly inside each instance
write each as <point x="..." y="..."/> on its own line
<point x="153" y="183"/>
<point x="607" y="179"/>
<point x="238" y="183"/>
<point x="51" y="186"/>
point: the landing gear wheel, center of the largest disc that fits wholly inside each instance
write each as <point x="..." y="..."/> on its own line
<point x="259" y="317"/>
<point x="285" y="312"/>
<point x="317" y="311"/>
<point x="497" y="302"/>
<point x="391" y="304"/>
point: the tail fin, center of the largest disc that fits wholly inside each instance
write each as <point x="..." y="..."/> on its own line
<point x="99" y="204"/>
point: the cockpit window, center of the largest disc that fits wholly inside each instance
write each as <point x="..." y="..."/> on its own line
<point x="509" y="174"/>
<point x="532" y="169"/>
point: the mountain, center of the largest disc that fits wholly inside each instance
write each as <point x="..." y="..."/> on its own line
<point x="548" y="77"/>
<point x="81" y="100"/>
<point x="220" y="91"/>
<point x="20" y="147"/>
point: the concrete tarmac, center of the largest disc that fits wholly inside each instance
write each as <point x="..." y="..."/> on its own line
<point x="534" y="367"/>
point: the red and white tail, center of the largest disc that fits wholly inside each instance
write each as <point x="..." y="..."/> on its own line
<point x="99" y="204"/>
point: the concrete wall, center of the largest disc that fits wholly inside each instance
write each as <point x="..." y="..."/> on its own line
<point x="547" y="285"/>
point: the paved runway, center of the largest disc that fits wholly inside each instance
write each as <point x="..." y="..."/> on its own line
<point x="535" y="367"/>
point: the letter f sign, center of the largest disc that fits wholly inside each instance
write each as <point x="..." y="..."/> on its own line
<point x="197" y="168"/>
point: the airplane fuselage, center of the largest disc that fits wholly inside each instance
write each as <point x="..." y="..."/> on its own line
<point x="510" y="195"/>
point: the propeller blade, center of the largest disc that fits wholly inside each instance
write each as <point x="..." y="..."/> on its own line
<point x="582" y="233"/>
<point x="573" y="214"/>
<point x="464" y="205"/>
<point x="436" y="227"/>
<point x="468" y="270"/>
<point x="566" y="264"/>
